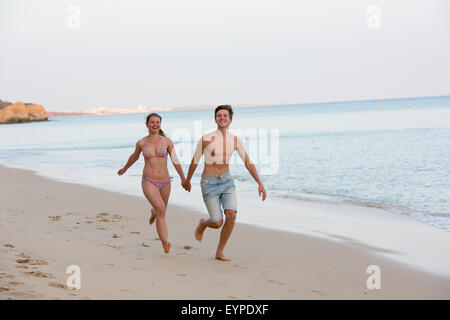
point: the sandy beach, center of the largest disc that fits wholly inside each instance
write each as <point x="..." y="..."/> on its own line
<point x="46" y="226"/>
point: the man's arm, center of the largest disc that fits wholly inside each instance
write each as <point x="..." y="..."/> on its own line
<point x="194" y="162"/>
<point x="250" y="166"/>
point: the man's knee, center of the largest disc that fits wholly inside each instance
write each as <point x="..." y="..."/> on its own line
<point x="231" y="215"/>
<point x="216" y="225"/>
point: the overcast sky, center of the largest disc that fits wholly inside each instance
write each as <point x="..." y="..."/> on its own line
<point x="208" y="52"/>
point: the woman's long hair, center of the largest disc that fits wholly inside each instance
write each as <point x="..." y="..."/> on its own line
<point x="161" y="133"/>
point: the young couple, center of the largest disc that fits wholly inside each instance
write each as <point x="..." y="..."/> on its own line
<point x="217" y="184"/>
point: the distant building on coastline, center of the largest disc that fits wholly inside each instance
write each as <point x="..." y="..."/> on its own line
<point x="140" y="109"/>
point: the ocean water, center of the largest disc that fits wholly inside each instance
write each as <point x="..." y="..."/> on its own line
<point x="395" y="158"/>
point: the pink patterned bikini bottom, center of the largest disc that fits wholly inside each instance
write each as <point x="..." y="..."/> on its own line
<point x="157" y="183"/>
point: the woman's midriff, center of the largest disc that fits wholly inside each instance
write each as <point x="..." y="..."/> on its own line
<point x="156" y="169"/>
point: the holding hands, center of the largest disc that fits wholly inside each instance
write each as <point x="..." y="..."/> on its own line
<point x="186" y="185"/>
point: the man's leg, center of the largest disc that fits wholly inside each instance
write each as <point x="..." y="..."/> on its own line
<point x="225" y="234"/>
<point x="203" y="224"/>
<point x="210" y="194"/>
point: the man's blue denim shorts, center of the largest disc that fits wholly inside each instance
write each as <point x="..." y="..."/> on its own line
<point x="218" y="192"/>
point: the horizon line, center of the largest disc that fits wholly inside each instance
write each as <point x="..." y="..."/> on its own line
<point x="194" y="107"/>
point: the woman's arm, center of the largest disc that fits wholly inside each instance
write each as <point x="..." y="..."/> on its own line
<point x="175" y="161"/>
<point x="131" y="160"/>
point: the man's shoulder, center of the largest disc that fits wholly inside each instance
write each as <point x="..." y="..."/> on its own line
<point x="236" y="137"/>
<point x="208" y="136"/>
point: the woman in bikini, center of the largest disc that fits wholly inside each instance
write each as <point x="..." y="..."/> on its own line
<point x="155" y="179"/>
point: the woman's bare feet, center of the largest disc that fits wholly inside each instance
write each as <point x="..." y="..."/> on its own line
<point x="166" y="247"/>
<point x="199" y="230"/>
<point x="221" y="257"/>
<point x="153" y="217"/>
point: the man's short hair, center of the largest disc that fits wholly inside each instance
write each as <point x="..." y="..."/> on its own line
<point x="224" y="107"/>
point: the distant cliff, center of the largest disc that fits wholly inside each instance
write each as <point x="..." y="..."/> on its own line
<point x="21" y="112"/>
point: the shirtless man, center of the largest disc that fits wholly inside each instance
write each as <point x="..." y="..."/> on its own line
<point x="217" y="184"/>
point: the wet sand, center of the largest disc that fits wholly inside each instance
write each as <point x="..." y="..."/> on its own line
<point x="46" y="226"/>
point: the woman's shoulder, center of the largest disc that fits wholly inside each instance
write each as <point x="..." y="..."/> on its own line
<point x="166" y="140"/>
<point x="141" y="142"/>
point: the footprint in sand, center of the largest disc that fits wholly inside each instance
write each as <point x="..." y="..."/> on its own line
<point x="111" y="246"/>
<point x="113" y="218"/>
<point x="116" y="235"/>
<point x="57" y="285"/>
<point x="15" y="283"/>
<point x="38" y="274"/>
<point x="9" y="245"/>
<point x="4" y="289"/>
<point x="135" y="232"/>
<point x="182" y="274"/>
<point x="20" y="266"/>
<point x="145" y="245"/>
<point x="231" y="297"/>
<point x="34" y="262"/>
<point x="55" y="218"/>
<point x="320" y="293"/>
<point x="187" y="247"/>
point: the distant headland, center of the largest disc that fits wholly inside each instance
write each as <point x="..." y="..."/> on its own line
<point x="19" y="112"/>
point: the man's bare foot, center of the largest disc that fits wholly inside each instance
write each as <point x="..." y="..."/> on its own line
<point x="221" y="257"/>
<point x="199" y="230"/>
<point x="166" y="247"/>
<point x="153" y="217"/>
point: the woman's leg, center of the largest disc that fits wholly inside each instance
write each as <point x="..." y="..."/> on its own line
<point x="165" y="193"/>
<point x="153" y="196"/>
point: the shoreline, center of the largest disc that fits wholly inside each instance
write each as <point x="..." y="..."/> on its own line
<point x="398" y="237"/>
<point x="56" y="224"/>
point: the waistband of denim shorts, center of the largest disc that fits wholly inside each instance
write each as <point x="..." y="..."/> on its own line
<point x="226" y="175"/>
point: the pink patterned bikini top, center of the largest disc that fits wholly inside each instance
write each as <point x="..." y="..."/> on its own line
<point x="161" y="153"/>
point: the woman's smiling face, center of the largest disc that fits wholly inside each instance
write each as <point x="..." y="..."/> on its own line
<point x="154" y="124"/>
